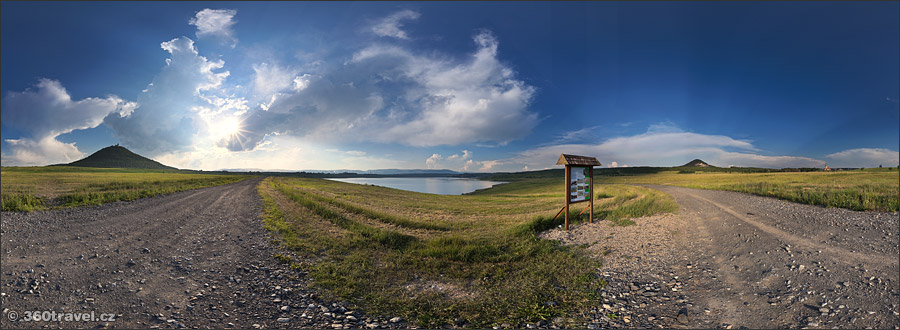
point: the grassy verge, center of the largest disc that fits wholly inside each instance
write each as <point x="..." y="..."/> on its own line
<point x="472" y="261"/>
<point x="867" y="190"/>
<point x="377" y="215"/>
<point x="623" y="203"/>
<point x="39" y="188"/>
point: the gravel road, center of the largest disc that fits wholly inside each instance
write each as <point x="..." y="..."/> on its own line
<point x="201" y="259"/>
<point x="731" y="260"/>
<point x="197" y="258"/>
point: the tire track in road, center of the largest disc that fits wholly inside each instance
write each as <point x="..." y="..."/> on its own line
<point x="848" y="257"/>
<point x="196" y="259"/>
<point x="769" y="269"/>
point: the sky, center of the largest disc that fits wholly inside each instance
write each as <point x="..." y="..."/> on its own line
<point x="466" y="86"/>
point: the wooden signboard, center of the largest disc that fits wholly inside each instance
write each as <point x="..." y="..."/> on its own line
<point x="579" y="182"/>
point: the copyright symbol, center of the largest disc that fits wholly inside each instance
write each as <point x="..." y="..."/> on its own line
<point x="12" y="316"/>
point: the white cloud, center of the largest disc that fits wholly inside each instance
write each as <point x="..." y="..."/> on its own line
<point x="390" y="94"/>
<point x="663" y="145"/>
<point x="277" y="152"/>
<point x="215" y="23"/>
<point x="45" y="151"/>
<point x="465" y="155"/>
<point x="577" y="135"/>
<point x="301" y="82"/>
<point x="392" y="26"/>
<point x="271" y="79"/>
<point x="432" y="162"/>
<point x="47" y="111"/>
<point x="180" y="106"/>
<point x="474" y="101"/>
<point x="459" y="162"/>
<point x="724" y="159"/>
<point x="488" y="165"/>
<point x="865" y="157"/>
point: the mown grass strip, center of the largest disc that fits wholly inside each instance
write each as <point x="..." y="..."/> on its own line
<point x="630" y="202"/>
<point x="860" y="198"/>
<point x="388" y="238"/>
<point x="488" y="268"/>
<point x="100" y="193"/>
<point x="372" y="214"/>
<point x="859" y="190"/>
<point x="25" y="199"/>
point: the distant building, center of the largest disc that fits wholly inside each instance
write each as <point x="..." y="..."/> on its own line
<point x="827" y="168"/>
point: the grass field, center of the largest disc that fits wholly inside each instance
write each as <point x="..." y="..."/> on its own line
<point x="435" y="260"/>
<point x="38" y="188"/>
<point x="861" y="190"/>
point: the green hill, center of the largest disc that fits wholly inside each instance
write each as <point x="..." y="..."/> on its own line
<point x="118" y="157"/>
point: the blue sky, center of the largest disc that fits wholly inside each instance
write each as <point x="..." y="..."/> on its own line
<point x="469" y="86"/>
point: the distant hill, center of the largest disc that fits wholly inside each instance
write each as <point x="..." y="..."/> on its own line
<point x="691" y="167"/>
<point x="697" y="163"/>
<point x="118" y="157"/>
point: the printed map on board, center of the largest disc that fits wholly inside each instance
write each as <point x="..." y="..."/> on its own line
<point x="580" y="184"/>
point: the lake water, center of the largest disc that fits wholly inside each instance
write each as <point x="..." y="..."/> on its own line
<point x="437" y="185"/>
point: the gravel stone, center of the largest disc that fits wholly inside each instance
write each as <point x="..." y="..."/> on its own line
<point x="205" y="261"/>
<point x="746" y="261"/>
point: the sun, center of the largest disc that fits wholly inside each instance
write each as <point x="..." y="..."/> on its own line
<point x="225" y="127"/>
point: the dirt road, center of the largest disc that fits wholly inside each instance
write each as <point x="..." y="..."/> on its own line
<point x="201" y="258"/>
<point x="197" y="258"/>
<point x="734" y="260"/>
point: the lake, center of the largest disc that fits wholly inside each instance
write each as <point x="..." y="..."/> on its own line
<point x="436" y="185"/>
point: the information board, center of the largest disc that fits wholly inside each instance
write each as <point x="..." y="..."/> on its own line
<point x="579" y="184"/>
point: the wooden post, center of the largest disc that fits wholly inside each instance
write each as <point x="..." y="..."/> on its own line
<point x="591" y="216"/>
<point x="568" y="176"/>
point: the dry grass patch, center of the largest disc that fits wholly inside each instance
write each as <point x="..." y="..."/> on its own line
<point x="471" y="260"/>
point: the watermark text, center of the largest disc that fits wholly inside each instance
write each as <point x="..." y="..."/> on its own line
<point x="54" y="316"/>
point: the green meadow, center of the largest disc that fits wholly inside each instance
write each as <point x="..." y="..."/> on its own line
<point x="472" y="260"/>
<point x="861" y="190"/>
<point x="40" y="188"/>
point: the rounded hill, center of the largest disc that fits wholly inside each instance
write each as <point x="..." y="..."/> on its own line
<point x="118" y="157"/>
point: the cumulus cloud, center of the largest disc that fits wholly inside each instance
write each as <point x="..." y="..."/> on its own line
<point x="432" y="162"/>
<point x="663" y="145"/>
<point x="46" y="111"/>
<point x="479" y="100"/>
<point x="865" y="157"/>
<point x="392" y="26"/>
<point x="215" y="23"/>
<point x="178" y="105"/>
<point x="48" y="150"/>
<point x="459" y="162"/>
<point x="270" y="79"/>
<point x="301" y="82"/>
<point x="390" y="94"/>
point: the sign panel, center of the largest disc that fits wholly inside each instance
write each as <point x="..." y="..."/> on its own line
<point x="579" y="184"/>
